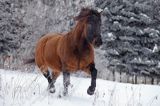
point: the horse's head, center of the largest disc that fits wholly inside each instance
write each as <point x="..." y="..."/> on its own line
<point x="92" y="20"/>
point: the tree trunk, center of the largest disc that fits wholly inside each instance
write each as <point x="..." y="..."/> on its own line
<point x="135" y="79"/>
<point x="132" y="79"/>
<point x="127" y="78"/>
<point x="120" y="76"/>
<point x="157" y="80"/>
<point x="113" y="72"/>
<point x="152" y="80"/>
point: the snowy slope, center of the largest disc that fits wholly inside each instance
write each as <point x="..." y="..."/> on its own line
<point x="30" y="89"/>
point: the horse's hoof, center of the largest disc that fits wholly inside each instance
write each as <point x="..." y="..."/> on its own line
<point x="52" y="90"/>
<point x="65" y="93"/>
<point x="90" y="90"/>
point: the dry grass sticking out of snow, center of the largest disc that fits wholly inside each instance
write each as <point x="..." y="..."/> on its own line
<point x="30" y="89"/>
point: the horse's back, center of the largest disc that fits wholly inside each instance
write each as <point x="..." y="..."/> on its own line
<point x="46" y="52"/>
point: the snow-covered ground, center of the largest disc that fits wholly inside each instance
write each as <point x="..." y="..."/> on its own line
<point x="30" y="89"/>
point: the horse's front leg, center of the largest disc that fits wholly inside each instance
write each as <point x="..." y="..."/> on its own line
<point x="66" y="82"/>
<point x="91" y="88"/>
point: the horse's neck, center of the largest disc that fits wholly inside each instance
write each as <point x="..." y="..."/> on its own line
<point x="77" y="41"/>
<point x="77" y="34"/>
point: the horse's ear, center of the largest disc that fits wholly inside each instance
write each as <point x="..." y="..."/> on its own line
<point x="100" y="11"/>
<point x="76" y="18"/>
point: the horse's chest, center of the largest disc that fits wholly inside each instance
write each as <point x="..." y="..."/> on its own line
<point x="73" y="58"/>
<point x="77" y="62"/>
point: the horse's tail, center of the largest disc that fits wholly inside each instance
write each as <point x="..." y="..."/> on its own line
<point x="29" y="61"/>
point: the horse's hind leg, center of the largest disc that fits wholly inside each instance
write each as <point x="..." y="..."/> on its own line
<point x="51" y="82"/>
<point x="51" y="77"/>
<point x="66" y="82"/>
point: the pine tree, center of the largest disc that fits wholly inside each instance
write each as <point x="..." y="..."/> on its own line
<point x="11" y="26"/>
<point x="132" y="37"/>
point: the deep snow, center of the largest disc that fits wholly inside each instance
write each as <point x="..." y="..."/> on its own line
<point x="30" y="89"/>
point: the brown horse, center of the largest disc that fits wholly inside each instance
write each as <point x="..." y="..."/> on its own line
<point x="56" y="53"/>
